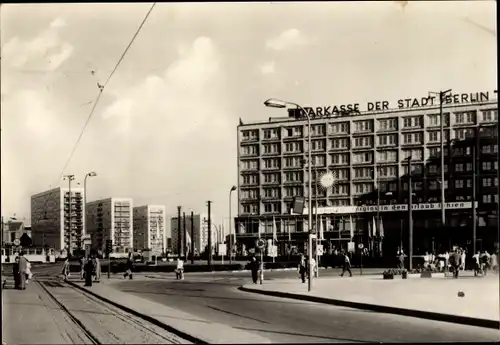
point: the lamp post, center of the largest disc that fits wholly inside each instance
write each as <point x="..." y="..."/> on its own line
<point x="233" y="188"/>
<point x="90" y="174"/>
<point x="410" y="216"/>
<point x="275" y="103"/>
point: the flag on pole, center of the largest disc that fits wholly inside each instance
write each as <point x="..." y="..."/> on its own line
<point x="321" y="229"/>
<point x="289" y="233"/>
<point x="381" y="227"/>
<point x="275" y="238"/>
<point x="351" y="227"/>
<point x="370" y="229"/>
<point x="282" y="226"/>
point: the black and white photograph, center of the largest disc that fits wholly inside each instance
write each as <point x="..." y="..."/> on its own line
<point x="249" y="172"/>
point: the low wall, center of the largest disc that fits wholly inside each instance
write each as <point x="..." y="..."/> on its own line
<point x="31" y="258"/>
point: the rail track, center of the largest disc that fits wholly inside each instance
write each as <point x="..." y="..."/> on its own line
<point x="101" y="322"/>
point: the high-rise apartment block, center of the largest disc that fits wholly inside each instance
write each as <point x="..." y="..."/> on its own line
<point x="149" y="228"/>
<point x="367" y="152"/>
<point x="111" y="218"/>
<point x="200" y="233"/>
<point x="51" y="220"/>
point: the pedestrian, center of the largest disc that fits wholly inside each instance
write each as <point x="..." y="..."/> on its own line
<point x="447" y="261"/>
<point x="29" y="275"/>
<point x="441" y="262"/>
<point x="401" y="263"/>
<point x="426" y="260"/>
<point x="97" y="266"/>
<point x="65" y="269"/>
<point x="179" y="271"/>
<point x="302" y="268"/>
<point x="346" y="266"/>
<point x="494" y="262"/>
<point x="455" y="262"/>
<point x="485" y="262"/>
<point x="477" y="263"/>
<point x="128" y="266"/>
<point x="254" y="268"/>
<point x="89" y="269"/>
<point x="81" y="261"/>
<point x="463" y="258"/>
<point x="23" y="266"/>
<point x="15" y="272"/>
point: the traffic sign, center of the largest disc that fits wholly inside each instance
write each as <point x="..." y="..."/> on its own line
<point x="261" y="243"/>
<point x="360" y="246"/>
<point x="17" y="242"/>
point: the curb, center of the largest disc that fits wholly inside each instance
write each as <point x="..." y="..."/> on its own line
<point x="154" y="321"/>
<point x="463" y="320"/>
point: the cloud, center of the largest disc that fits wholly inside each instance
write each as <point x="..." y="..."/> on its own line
<point x="268" y="67"/>
<point x="45" y="52"/>
<point x="287" y="39"/>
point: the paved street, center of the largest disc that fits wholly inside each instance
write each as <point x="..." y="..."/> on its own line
<point x="217" y="299"/>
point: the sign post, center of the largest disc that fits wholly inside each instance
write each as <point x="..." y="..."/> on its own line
<point x="360" y="246"/>
<point x="261" y="244"/>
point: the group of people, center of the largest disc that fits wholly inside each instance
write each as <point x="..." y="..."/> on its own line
<point x="21" y="270"/>
<point x="90" y="267"/>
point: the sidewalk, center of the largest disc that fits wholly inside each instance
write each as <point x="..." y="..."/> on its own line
<point x="193" y="326"/>
<point x="31" y="317"/>
<point x="434" y="298"/>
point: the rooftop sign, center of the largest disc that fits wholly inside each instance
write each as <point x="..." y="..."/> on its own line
<point x="392" y="208"/>
<point x="407" y="103"/>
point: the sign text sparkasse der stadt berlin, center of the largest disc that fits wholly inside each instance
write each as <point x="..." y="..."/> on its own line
<point x="406" y="103"/>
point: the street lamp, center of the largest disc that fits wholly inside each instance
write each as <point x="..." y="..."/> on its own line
<point x="90" y="174"/>
<point x="233" y="188"/>
<point x="276" y="103"/>
<point x="410" y="215"/>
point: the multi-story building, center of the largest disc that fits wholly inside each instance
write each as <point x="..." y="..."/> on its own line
<point x="149" y="228"/>
<point x="368" y="154"/>
<point x="200" y="233"/>
<point x="111" y="218"/>
<point x="50" y="218"/>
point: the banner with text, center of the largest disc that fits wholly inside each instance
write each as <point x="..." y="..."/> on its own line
<point x="391" y="208"/>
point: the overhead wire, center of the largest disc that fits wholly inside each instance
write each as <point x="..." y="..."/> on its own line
<point x="101" y="89"/>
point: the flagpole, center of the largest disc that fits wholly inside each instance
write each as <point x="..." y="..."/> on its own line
<point x="272" y="240"/>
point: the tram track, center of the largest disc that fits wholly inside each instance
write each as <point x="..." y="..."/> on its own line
<point x="101" y="322"/>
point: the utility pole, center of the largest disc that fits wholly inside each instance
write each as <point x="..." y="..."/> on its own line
<point x="474" y="178"/>
<point x="70" y="248"/>
<point x="179" y="244"/>
<point x="410" y="215"/>
<point x="184" y="240"/>
<point x="209" y="237"/>
<point x="192" y="237"/>
<point x="442" y="96"/>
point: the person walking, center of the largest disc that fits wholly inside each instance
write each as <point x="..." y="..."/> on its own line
<point x="179" y="271"/>
<point x="128" y="266"/>
<point x="477" y="263"/>
<point x="254" y="268"/>
<point x="401" y="262"/>
<point x="97" y="268"/>
<point x="346" y="266"/>
<point x="302" y="268"/>
<point x="463" y="258"/>
<point x="81" y="261"/>
<point x="65" y="269"/>
<point x="455" y="263"/>
<point x="89" y="269"/>
<point x="23" y="266"/>
<point x="485" y="262"/>
<point x="494" y="262"/>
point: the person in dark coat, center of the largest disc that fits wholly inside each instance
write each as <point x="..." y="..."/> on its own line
<point x="346" y="265"/>
<point x="15" y="272"/>
<point x="254" y="268"/>
<point x="302" y="268"/>
<point x="129" y="266"/>
<point x="89" y="269"/>
<point x="455" y="262"/>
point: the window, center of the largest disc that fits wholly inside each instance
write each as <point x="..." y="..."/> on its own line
<point x="465" y="117"/>
<point x="415" y="154"/>
<point x="362" y="188"/>
<point x="459" y="183"/>
<point x="271" y="193"/>
<point x="249" y="194"/>
<point x="272" y="208"/>
<point x="293" y="162"/>
<point x="435" y="119"/>
<point x="363" y="142"/>
<point x="341" y="189"/>
<point x="318" y="145"/>
<point x="250" y="135"/>
<point x="339" y="128"/>
<point x="433" y="185"/>
<point x="388" y="171"/>
<point x="433" y="136"/>
<point x="388" y="124"/>
<point x="318" y="130"/>
<point x="342" y="174"/>
<point x="434" y="151"/>
<point x="459" y="167"/>
<point x="463" y="133"/>
<point x="293" y="191"/>
<point x="293" y="147"/>
<point x="319" y="161"/>
<point x="490" y="115"/>
<point x="340" y="158"/>
<point x="487" y="199"/>
<point x="363" y="126"/>
<point x="487" y="165"/>
<point x="412" y="138"/>
<point x="365" y="157"/>
<point x="249" y="179"/>
<point x="363" y="173"/>
<point x="272" y="163"/>
<point x="387" y="156"/>
<point x="271" y="133"/>
<point x="271" y="148"/>
<point x="271" y="178"/>
<point x="468" y="166"/>
<point x="295" y="176"/>
<point x="387" y="140"/>
<point x="413" y="122"/>
<point x="340" y="143"/>
<point x="249" y="150"/>
<point x="248" y="165"/>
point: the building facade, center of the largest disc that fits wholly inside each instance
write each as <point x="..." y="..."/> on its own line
<point x="51" y="220"/>
<point x="368" y="155"/>
<point x="149" y="228"/>
<point x="111" y="218"/>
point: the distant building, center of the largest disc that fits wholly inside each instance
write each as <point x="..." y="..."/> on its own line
<point x="12" y="230"/>
<point x="200" y="233"/>
<point x="111" y="218"/>
<point x="149" y="228"/>
<point x="50" y="218"/>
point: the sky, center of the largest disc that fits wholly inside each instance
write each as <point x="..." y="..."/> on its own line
<point x="165" y="128"/>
